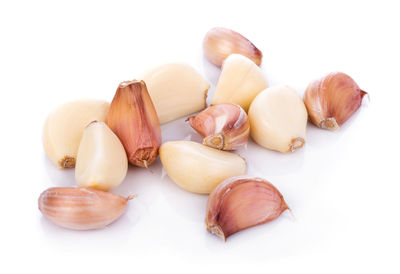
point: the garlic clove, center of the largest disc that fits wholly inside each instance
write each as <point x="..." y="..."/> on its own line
<point x="63" y="129"/>
<point x="332" y="100"/>
<point x="101" y="162"/>
<point x="133" y="118"/>
<point x="176" y="90"/>
<point x="198" y="168"/>
<point x="219" y="43"/>
<point x="81" y="208"/>
<point x="242" y="202"/>
<point x="278" y="119"/>
<point x="223" y="126"/>
<point x="239" y="83"/>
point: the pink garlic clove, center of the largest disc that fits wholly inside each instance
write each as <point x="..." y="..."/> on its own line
<point x="242" y="202"/>
<point x="222" y="126"/>
<point x="332" y="100"/>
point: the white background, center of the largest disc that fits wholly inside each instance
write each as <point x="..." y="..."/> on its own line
<point x="343" y="187"/>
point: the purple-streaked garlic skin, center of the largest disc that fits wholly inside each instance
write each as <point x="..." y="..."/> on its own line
<point x="222" y="126"/>
<point x="242" y="202"/>
<point x="81" y="208"/>
<point x="332" y="100"/>
<point x="133" y="118"/>
<point x="219" y="43"/>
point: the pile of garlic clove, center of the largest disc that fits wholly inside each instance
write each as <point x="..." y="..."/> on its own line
<point x="99" y="139"/>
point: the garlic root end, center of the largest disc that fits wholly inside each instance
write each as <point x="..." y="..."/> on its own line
<point x="329" y="123"/>
<point x="67" y="162"/>
<point x="215" y="141"/>
<point x="296" y="143"/>
<point x="130" y="197"/>
<point x="216" y="230"/>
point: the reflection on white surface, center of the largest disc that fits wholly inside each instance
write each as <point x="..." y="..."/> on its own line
<point x="262" y="161"/>
<point x="211" y="71"/>
<point x="58" y="177"/>
<point x="161" y="206"/>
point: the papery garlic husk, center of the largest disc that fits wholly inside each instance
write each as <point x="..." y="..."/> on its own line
<point x="223" y="126"/>
<point x="133" y="118"/>
<point x="239" y="83"/>
<point x="63" y="129"/>
<point x="278" y="119"/>
<point x="101" y="162"/>
<point x="219" y="43"/>
<point x="332" y="100"/>
<point x="81" y="208"/>
<point x="177" y="90"/>
<point x="198" y="168"/>
<point x="242" y="202"/>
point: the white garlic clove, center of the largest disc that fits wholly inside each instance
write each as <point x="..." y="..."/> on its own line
<point x="278" y="119"/>
<point x="223" y="126"/>
<point x="239" y="83"/>
<point x="64" y="127"/>
<point x="81" y="208"/>
<point x="198" y="168"/>
<point x="101" y="162"/>
<point x="176" y="90"/>
<point x="219" y="43"/>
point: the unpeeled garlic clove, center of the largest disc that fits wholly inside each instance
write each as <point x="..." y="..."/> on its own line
<point x="223" y="126"/>
<point x="81" y="208"/>
<point x="278" y="119"/>
<point x="219" y="43"/>
<point x="198" y="168"/>
<point x="242" y="202"/>
<point x="239" y="83"/>
<point x="64" y="127"/>
<point x="133" y="118"/>
<point x="176" y="90"/>
<point x="101" y="162"/>
<point x="332" y="100"/>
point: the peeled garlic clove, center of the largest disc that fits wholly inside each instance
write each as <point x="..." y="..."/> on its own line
<point x="101" y="162"/>
<point x="332" y="100"/>
<point x="242" y="202"/>
<point x="80" y="208"/>
<point x="64" y="127"/>
<point x="198" y="168"/>
<point x="133" y="118"/>
<point x="219" y="43"/>
<point x="223" y="126"/>
<point x="278" y="119"/>
<point x="176" y="90"/>
<point x="239" y="83"/>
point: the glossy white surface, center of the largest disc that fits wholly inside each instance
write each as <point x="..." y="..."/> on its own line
<point x="343" y="187"/>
